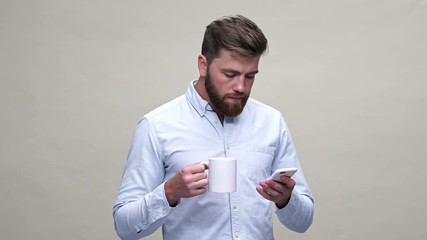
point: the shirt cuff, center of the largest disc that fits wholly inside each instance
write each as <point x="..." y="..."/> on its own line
<point x="158" y="203"/>
<point x="291" y="207"/>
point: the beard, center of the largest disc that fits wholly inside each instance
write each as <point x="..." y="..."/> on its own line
<point x="218" y="102"/>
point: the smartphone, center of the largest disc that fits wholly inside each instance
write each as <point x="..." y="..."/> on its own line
<point x="283" y="172"/>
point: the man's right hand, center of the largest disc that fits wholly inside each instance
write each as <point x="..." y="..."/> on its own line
<point x="188" y="182"/>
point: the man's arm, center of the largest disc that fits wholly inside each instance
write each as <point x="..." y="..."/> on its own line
<point x="140" y="218"/>
<point x="292" y="196"/>
<point x="294" y="209"/>
<point x="144" y="200"/>
<point x="141" y="205"/>
<point x="298" y="214"/>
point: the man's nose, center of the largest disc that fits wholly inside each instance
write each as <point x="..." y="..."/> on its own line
<point x="239" y="84"/>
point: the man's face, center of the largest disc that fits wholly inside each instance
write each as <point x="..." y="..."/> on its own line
<point x="229" y="80"/>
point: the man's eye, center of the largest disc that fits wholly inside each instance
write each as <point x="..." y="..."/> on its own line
<point x="230" y="75"/>
<point x="250" y="76"/>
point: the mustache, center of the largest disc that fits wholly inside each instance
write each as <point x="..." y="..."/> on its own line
<point x="235" y="95"/>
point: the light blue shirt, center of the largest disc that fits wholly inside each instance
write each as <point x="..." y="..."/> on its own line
<point x="187" y="130"/>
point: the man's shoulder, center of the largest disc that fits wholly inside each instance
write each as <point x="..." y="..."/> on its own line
<point x="260" y="106"/>
<point x="167" y="109"/>
<point x="261" y="113"/>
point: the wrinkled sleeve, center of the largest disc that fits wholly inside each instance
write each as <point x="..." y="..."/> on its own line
<point x="141" y="206"/>
<point x="298" y="214"/>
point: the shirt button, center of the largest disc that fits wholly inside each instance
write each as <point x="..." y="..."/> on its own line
<point x="234" y="206"/>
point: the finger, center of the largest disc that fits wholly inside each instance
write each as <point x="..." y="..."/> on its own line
<point x="274" y="194"/>
<point x="202" y="183"/>
<point x="206" y="164"/>
<point x="263" y="193"/>
<point x="271" y="192"/>
<point x="274" y="187"/>
<point x="194" y="168"/>
<point x="198" y="167"/>
<point x="200" y="176"/>
<point x="194" y="181"/>
<point x="198" y="191"/>
<point x="288" y="182"/>
<point x="196" y="187"/>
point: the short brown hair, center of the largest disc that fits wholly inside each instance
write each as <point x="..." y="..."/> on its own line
<point x="233" y="33"/>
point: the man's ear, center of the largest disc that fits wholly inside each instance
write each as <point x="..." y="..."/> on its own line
<point x="202" y="64"/>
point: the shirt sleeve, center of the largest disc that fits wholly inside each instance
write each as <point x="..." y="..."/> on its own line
<point x="141" y="205"/>
<point x="298" y="214"/>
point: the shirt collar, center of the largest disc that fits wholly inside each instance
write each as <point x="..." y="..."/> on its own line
<point x="199" y="104"/>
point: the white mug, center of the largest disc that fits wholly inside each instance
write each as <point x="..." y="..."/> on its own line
<point x="222" y="174"/>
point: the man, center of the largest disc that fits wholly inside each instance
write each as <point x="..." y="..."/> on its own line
<point x="164" y="182"/>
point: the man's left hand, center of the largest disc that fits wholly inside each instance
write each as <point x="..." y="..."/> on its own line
<point x="277" y="192"/>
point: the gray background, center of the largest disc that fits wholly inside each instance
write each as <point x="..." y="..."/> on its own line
<point x="349" y="77"/>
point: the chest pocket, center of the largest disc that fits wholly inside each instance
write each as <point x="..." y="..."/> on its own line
<point x="254" y="162"/>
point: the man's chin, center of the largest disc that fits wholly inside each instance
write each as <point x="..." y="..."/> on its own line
<point x="233" y="111"/>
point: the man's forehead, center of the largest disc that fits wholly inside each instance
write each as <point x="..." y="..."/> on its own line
<point x="230" y="61"/>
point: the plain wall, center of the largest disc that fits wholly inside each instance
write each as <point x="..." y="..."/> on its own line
<point x="349" y="77"/>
